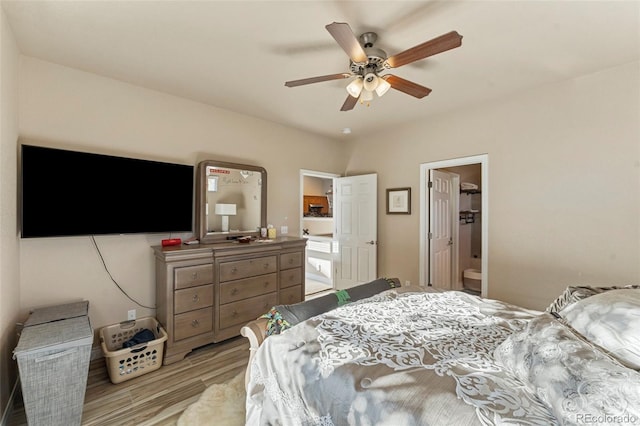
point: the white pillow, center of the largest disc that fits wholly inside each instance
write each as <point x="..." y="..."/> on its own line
<point x="570" y="375"/>
<point x="611" y="320"/>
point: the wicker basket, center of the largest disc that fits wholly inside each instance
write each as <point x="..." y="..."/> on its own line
<point x="53" y="353"/>
<point x="125" y="364"/>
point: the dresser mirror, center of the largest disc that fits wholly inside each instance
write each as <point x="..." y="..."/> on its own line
<point x="231" y="200"/>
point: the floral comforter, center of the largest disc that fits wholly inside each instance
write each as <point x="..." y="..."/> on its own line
<point x="422" y="358"/>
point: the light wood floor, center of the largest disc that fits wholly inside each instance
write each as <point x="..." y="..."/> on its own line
<point x="315" y="289"/>
<point x="158" y="397"/>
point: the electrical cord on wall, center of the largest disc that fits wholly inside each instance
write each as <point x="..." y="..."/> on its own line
<point x="112" y="279"/>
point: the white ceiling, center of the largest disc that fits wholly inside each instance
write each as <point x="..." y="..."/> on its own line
<point x="238" y="54"/>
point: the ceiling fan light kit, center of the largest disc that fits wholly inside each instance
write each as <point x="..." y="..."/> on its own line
<point x="382" y="87"/>
<point x="370" y="82"/>
<point x="367" y="62"/>
<point x="355" y="87"/>
<point x="366" y="96"/>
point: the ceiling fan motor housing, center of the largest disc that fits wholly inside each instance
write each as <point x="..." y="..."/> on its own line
<point x="375" y="57"/>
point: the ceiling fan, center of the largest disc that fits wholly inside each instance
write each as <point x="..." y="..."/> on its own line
<point x="367" y="62"/>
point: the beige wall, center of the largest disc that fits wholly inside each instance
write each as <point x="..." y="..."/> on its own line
<point x="70" y="108"/>
<point x="564" y="174"/>
<point x="9" y="249"/>
<point x="317" y="186"/>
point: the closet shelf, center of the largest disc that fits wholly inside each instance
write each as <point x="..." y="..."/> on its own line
<point x="468" y="216"/>
<point x="470" y="191"/>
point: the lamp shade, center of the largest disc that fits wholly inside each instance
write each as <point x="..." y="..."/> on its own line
<point x="370" y="82"/>
<point x="383" y="86"/>
<point x="366" y="96"/>
<point x="355" y="87"/>
<point x="225" y="209"/>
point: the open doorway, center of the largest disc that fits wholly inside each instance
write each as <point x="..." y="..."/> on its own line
<point x="317" y="225"/>
<point x="338" y="217"/>
<point x="454" y="223"/>
<point x="355" y="253"/>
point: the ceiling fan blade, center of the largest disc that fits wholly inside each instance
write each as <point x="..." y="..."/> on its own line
<point x="428" y="48"/>
<point x="347" y="40"/>
<point x="349" y="103"/>
<point x="407" y="86"/>
<point x="302" y="82"/>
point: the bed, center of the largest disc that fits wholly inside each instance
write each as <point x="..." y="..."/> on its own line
<point x="410" y="356"/>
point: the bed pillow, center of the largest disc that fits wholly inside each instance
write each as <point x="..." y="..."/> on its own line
<point x="611" y="320"/>
<point x="577" y="380"/>
<point x="573" y="294"/>
<point x="282" y="317"/>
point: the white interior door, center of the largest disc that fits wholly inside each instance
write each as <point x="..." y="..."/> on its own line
<point x="356" y="233"/>
<point x="426" y="219"/>
<point x="440" y="229"/>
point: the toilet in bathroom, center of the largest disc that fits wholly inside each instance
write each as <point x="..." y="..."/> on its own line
<point x="472" y="279"/>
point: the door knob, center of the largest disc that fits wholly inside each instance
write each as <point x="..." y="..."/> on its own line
<point x="371" y="242"/>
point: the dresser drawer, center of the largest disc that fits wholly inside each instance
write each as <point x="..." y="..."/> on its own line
<point x="190" y="276"/>
<point x="193" y="323"/>
<point x="190" y="299"/>
<point x="240" y="313"/>
<point x="290" y="260"/>
<point x="291" y="295"/>
<point x="290" y="277"/>
<point x="232" y="291"/>
<point x="247" y="268"/>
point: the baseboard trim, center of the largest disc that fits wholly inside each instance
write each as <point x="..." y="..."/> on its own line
<point x="8" y="410"/>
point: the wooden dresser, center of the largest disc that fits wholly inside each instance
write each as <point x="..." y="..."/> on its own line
<point x="206" y="293"/>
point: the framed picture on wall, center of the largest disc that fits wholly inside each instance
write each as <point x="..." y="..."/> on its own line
<point x="399" y="201"/>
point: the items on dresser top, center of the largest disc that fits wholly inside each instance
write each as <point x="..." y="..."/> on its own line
<point x="206" y="293"/>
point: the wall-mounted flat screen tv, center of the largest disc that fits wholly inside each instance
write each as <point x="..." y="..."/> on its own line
<point x="70" y="193"/>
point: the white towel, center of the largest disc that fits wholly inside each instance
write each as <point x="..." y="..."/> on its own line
<point x="467" y="185"/>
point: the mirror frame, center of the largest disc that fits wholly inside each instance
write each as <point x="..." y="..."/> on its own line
<point x="201" y="201"/>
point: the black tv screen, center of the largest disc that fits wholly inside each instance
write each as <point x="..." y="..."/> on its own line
<point x="68" y="193"/>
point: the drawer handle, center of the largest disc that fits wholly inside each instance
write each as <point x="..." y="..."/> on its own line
<point x="234" y="291"/>
<point x="195" y="323"/>
<point x="234" y="313"/>
<point x="196" y="298"/>
<point x="234" y="270"/>
<point x="266" y="284"/>
<point x="290" y="260"/>
<point x="266" y="265"/>
<point x="266" y="306"/>
<point x="194" y="275"/>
